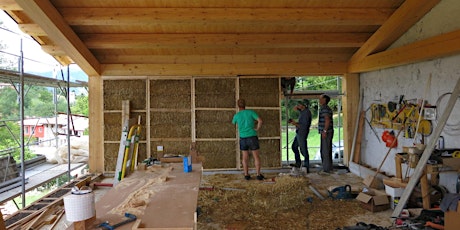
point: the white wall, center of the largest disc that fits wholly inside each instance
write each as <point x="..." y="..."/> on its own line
<point x="411" y="80"/>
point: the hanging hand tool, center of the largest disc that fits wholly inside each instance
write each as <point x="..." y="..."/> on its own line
<point x="131" y="218"/>
<point x="373" y="130"/>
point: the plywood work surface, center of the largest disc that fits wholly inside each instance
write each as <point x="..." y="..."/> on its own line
<point x="161" y="197"/>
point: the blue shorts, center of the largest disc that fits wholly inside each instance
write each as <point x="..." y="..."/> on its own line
<point x="249" y="143"/>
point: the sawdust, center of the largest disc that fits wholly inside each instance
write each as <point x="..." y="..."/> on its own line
<point x="284" y="202"/>
<point x="137" y="201"/>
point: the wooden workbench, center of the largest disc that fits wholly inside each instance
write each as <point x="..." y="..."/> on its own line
<point x="171" y="203"/>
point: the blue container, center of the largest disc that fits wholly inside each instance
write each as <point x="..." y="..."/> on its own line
<point x="187" y="163"/>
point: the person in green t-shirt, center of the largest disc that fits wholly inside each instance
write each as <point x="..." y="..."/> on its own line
<point x="246" y="120"/>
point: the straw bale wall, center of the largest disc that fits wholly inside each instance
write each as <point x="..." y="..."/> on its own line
<point x="207" y="103"/>
<point x="170" y="94"/>
<point x="215" y="124"/>
<point x="117" y="90"/>
<point x="217" y="154"/>
<point x="260" y="92"/>
<point x="170" y="124"/>
<point x="215" y="93"/>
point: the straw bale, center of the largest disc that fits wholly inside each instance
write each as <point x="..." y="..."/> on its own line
<point x="260" y="92"/>
<point x="110" y="156"/>
<point x="217" y="154"/>
<point x="113" y="126"/>
<point x="215" y="124"/>
<point x="115" y="91"/>
<point x="215" y="93"/>
<point x="271" y="123"/>
<point x="174" y="148"/>
<point x="269" y="154"/>
<point x="170" y="94"/>
<point x="170" y="124"/>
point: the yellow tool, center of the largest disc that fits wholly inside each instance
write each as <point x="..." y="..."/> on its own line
<point x="456" y="154"/>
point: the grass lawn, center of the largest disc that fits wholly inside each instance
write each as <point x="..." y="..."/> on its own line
<point x="313" y="141"/>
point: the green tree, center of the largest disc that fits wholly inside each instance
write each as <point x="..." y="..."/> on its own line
<point x="9" y="107"/>
<point x="81" y="105"/>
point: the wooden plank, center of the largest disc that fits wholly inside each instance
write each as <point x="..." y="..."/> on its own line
<point x="359" y="138"/>
<point x="59" y="31"/>
<point x="205" y="15"/>
<point x="435" y="47"/>
<point x="227" y="69"/>
<point x="178" y="194"/>
<point x="428" y="150"/>
<point x="410" y="12"/>
<point x="38" y="179"/>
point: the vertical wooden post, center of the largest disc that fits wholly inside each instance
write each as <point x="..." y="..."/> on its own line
<point x="398" y="162"/>
<point x="425" y="190"/>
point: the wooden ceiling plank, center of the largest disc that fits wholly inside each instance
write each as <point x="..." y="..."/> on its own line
<point x="403" y="18"/>
<point x="117" y="41"/>
<point x="48" y="18"/>
<point x="431" y="48"/>
<point x="281" y="69"/>
<point x="159" y="16"/>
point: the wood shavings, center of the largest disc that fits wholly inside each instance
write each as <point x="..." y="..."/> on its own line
<point x="137" y="201"/>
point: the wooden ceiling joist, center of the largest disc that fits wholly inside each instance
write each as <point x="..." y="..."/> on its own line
<point x="278" y="69"/>
<point x="49" y="19"/>
<point x="200" y="41"/>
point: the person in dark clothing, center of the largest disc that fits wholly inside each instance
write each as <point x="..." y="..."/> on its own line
<point x="288" y="83"/>
<point x="302" y="130"/>
<point x="326" y="130"/>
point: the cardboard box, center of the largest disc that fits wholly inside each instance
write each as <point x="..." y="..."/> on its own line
<point x="374" y="200"/>
<point x="452" y="162"/>
<point x="452" y="219"/>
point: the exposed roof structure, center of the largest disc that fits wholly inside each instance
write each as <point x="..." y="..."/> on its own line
<point x="222" y="38"/>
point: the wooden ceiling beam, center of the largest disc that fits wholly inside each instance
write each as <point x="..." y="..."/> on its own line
<point x="149" y="16"/>
<point x="431" y="48"/>
<point x="229" y="69"/>
<point x="233" y="3"/>
<point x="195" y="59"/>
<point x="402" y="19"/>
<point x="121" y="41"/>
<point x="50" y="20"/>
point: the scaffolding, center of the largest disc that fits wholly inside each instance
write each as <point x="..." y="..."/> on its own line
<point x="17" y="67"/>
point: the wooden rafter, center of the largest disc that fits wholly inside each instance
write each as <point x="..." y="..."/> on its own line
<point x="50" y="20"/>
<point x="435" y="47"/>
<point x="403" y="18"/>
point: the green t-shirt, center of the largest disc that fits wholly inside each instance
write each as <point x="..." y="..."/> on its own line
<point x="245" y="119"/>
